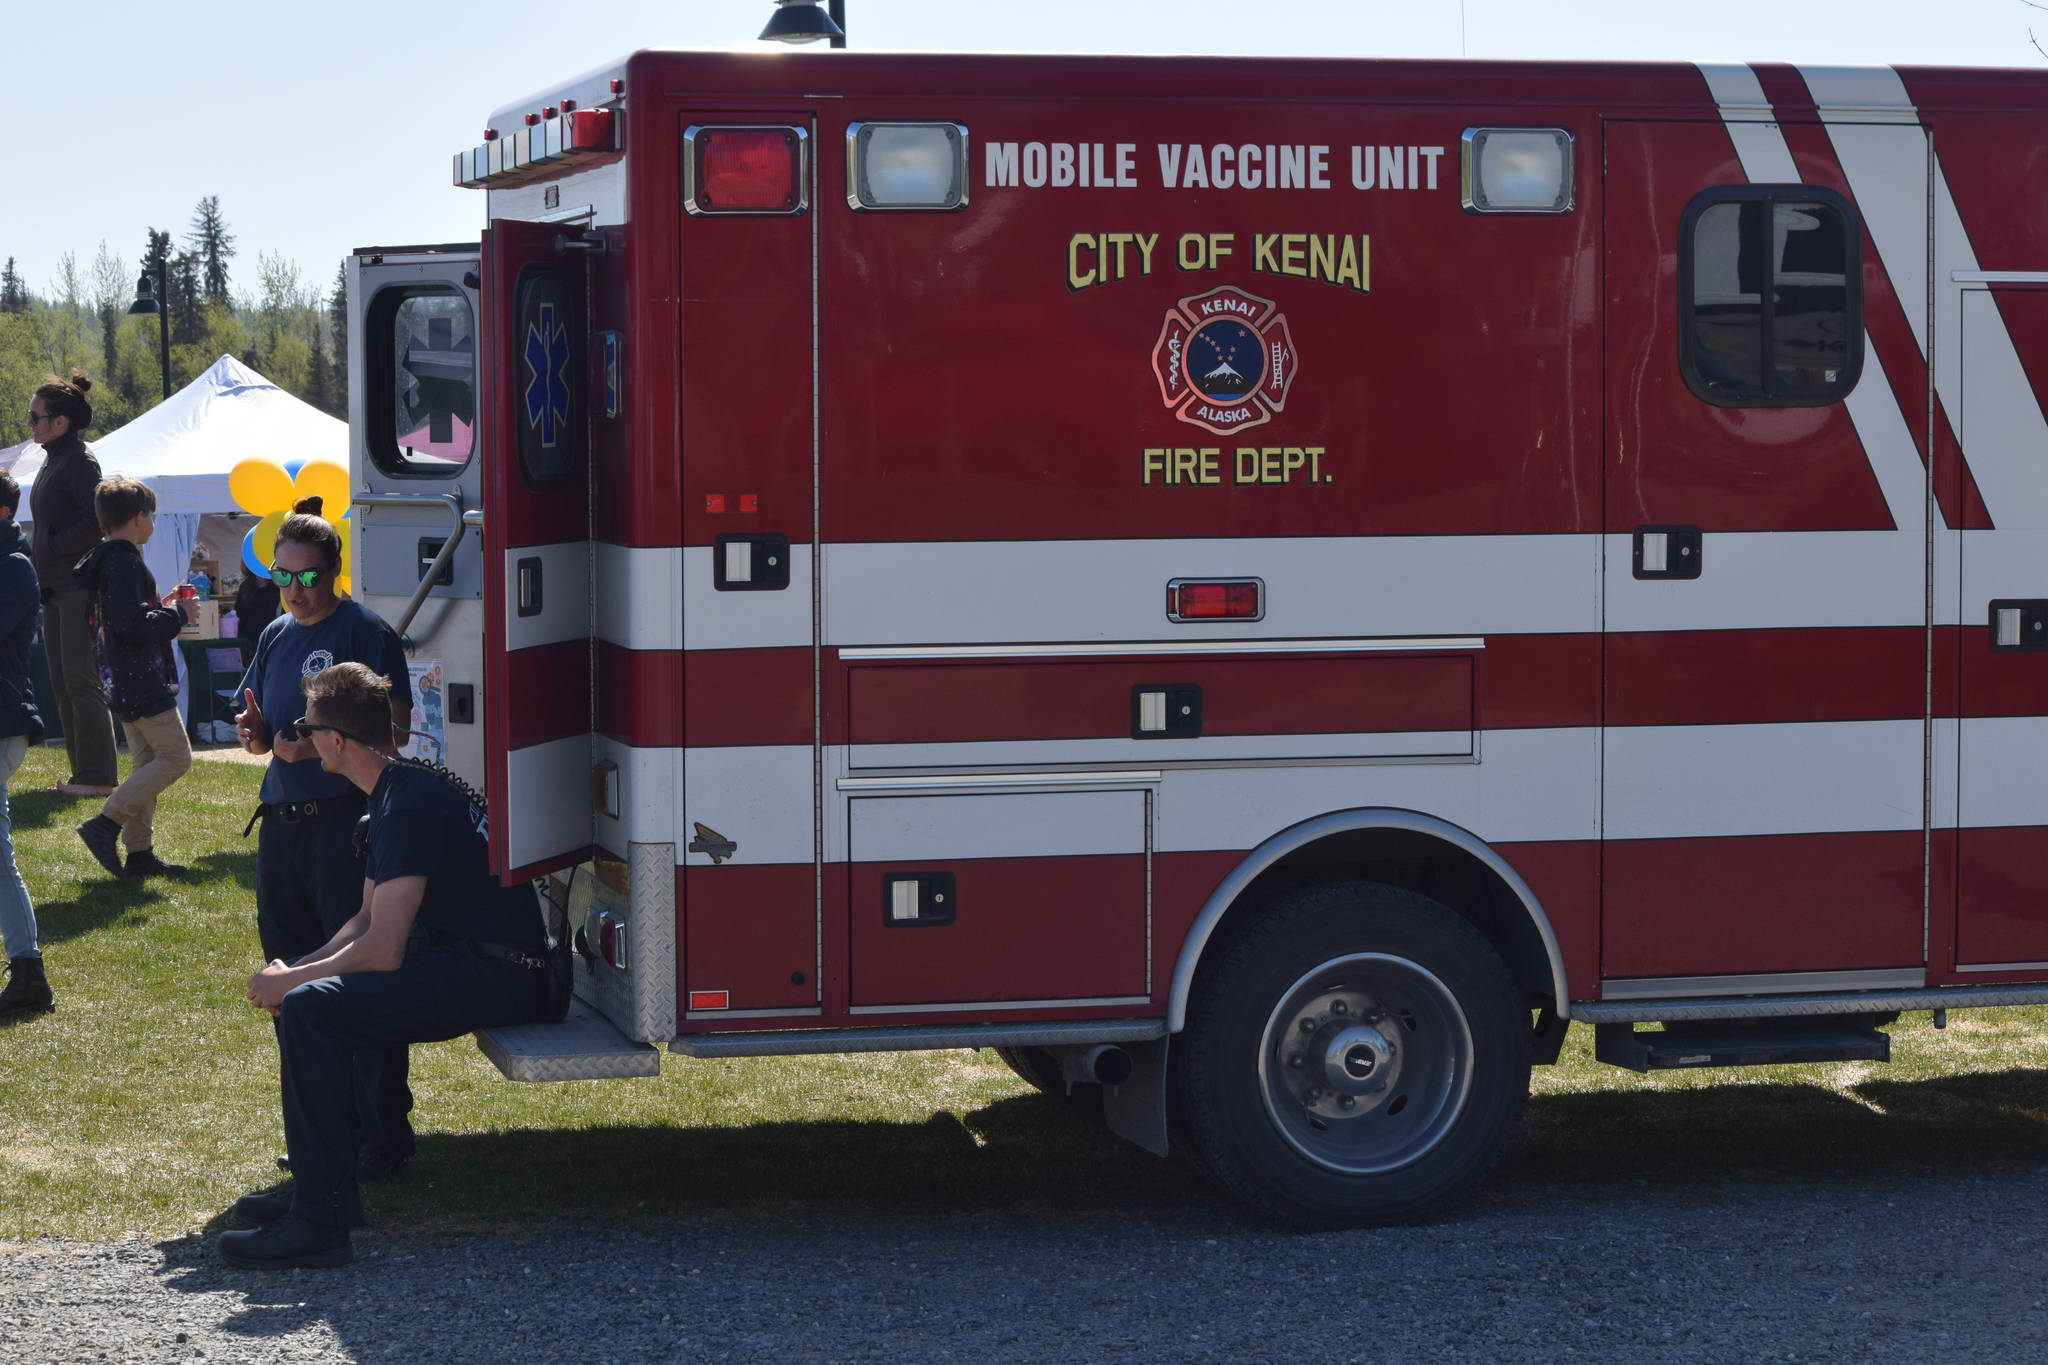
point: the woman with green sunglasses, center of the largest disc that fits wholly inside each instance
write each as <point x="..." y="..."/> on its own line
<point x="309" y="877"/>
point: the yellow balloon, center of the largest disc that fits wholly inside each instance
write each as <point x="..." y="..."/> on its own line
<point x="346" y="529"/>
<point x="265" y="543"/>
<point x="260" y="487"/>
<point x="327" y="481"/>
<point x="341" y="585"/>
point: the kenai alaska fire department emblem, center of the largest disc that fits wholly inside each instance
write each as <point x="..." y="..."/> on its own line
<point x="1224" y="360"/>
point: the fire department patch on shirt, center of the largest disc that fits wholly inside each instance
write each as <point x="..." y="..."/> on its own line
<point x="1224" y="360"/>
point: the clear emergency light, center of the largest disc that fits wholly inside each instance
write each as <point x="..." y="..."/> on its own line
<point x="906" y="166"/>
<point x="746" y="168"/>
<point x="1516" y="170"/>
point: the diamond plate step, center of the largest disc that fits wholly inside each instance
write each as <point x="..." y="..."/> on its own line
<point x="583" y="1047"/>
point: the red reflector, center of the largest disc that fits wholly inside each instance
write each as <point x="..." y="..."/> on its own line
<point x="710" y="1000"/>
<point x="714" y="502"/>
<point x="750" y="502"/>
<point x="1210" y="600"/>
<point x="743" y="169"/>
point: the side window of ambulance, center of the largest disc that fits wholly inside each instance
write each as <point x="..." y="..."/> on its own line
<point x="1770" y="288"/>
<point x="421" y="351"/>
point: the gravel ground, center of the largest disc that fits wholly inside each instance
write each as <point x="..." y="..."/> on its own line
<point x="1923" y="1270"/>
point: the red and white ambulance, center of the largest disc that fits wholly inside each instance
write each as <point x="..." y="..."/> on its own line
<point x="1266" y="587"/>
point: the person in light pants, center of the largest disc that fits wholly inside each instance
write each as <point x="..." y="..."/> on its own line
<point x="136" y="631"/>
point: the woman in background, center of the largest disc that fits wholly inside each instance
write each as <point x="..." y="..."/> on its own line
<point x="65" y="527"/>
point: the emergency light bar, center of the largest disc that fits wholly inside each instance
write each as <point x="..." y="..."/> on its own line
<point x="543" y="142"/>
<point x="906" y="167"/>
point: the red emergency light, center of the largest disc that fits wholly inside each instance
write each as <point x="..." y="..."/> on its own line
<point x="746" y="170"/>
<point x="1235" y="599"/>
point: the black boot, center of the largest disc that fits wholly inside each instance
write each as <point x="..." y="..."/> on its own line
<point x="143" y="862"/>
<point x="103" y="837"/>
<point x="292" y="1244"/>
<point x="28" y="990"/>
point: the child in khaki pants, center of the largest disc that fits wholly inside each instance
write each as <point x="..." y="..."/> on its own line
<point x="140" y="676"/>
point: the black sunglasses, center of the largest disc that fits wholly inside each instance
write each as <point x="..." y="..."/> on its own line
<point x="35" y="417"/>
<point x="308" y="578"/>
<point x="304" y="728"/>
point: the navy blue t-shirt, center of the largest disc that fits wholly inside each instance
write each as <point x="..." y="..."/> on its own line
<point x="422" y="826"/>
<point x="287" y="652"/>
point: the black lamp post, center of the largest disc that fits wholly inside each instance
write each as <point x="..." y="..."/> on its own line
<point x="804" y="21"/>
<point x="154" y="296"/>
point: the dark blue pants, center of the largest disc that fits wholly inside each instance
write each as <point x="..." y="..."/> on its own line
<point x="309" y="882"/>
<point x="436" y="994"/>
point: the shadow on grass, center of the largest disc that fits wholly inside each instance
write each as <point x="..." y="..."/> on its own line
<point x="1029" y="1155"/>
<point x="101" y="902"/>
<point x="1616" y="1142"/>
<point x="106" y="900"/>
<point x="39" y="808"/>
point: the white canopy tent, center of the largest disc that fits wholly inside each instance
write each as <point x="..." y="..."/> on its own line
<point x="185" y="446"/>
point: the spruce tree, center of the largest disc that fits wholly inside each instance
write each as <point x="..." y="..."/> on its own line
<point x="337" y="326"/>
<point x="188" y="300"/>
<point x="320" y="375"/>
<point x="211" y="242"/>
<point x="157" y="253"/>
<point x="13" y="293"/>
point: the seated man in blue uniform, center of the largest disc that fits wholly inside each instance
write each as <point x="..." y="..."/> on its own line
<point x="438" y="949"/>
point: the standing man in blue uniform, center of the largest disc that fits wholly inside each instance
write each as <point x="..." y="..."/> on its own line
<point x="438" y="949"/>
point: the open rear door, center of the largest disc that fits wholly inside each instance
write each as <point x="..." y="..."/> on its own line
<point x="537" y="610"/>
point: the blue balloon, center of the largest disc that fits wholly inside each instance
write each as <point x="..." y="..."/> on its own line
<point x="249" y="559"/>
<point x="292" y="467"/>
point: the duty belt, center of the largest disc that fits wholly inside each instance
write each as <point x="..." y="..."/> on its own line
<point x="297" y="812"/>
<point x="484" y="948"/>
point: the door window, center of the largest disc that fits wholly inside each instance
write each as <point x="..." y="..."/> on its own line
<point x="421" y="349"/>
<point x="1770" y="296"/>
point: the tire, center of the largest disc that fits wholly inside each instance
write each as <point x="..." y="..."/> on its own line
<point x="1036" y="1066"/>
<point x="1354" y="1054"/>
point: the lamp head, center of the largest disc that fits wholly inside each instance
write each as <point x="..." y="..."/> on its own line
<point x="800" y="21"/>
<point x="145" y="295"/>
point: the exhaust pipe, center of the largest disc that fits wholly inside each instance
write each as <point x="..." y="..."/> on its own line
<point x="1102" y="1064"/>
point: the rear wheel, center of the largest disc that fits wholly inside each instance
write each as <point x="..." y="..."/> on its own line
<point x="1354" y="1053"/>
<point x="1035" y="1065"/>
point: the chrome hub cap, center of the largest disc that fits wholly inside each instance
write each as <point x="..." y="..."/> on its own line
<point x="1365" y="1063"/>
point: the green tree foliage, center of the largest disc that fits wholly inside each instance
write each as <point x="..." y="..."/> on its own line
<point x="337" y="323"/>
<point x="188" y="303"/>
<point x="210" y="241"/>
<point x="80" y="321"/>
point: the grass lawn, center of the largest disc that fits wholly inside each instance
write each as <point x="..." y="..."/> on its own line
<point x="148" y="1101"/>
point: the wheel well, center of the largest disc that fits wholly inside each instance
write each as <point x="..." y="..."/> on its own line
<point x="1427" y="865"/>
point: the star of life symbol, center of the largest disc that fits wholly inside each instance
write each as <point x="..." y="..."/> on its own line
<point x="547" y="367"/>
<point x="1224" y="360"/>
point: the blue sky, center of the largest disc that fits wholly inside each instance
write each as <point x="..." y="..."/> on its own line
<point x="321" y="134"/>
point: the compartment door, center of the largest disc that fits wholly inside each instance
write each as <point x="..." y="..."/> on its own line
<point x="2002" y="915"/>
<point x="1031" y="899"/>
<point x="537" y="609"/>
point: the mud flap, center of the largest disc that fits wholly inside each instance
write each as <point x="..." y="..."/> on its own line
<point x="1136" y="1110"/>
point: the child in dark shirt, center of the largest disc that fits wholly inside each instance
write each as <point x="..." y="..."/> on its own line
<point x="140" y="676"/>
